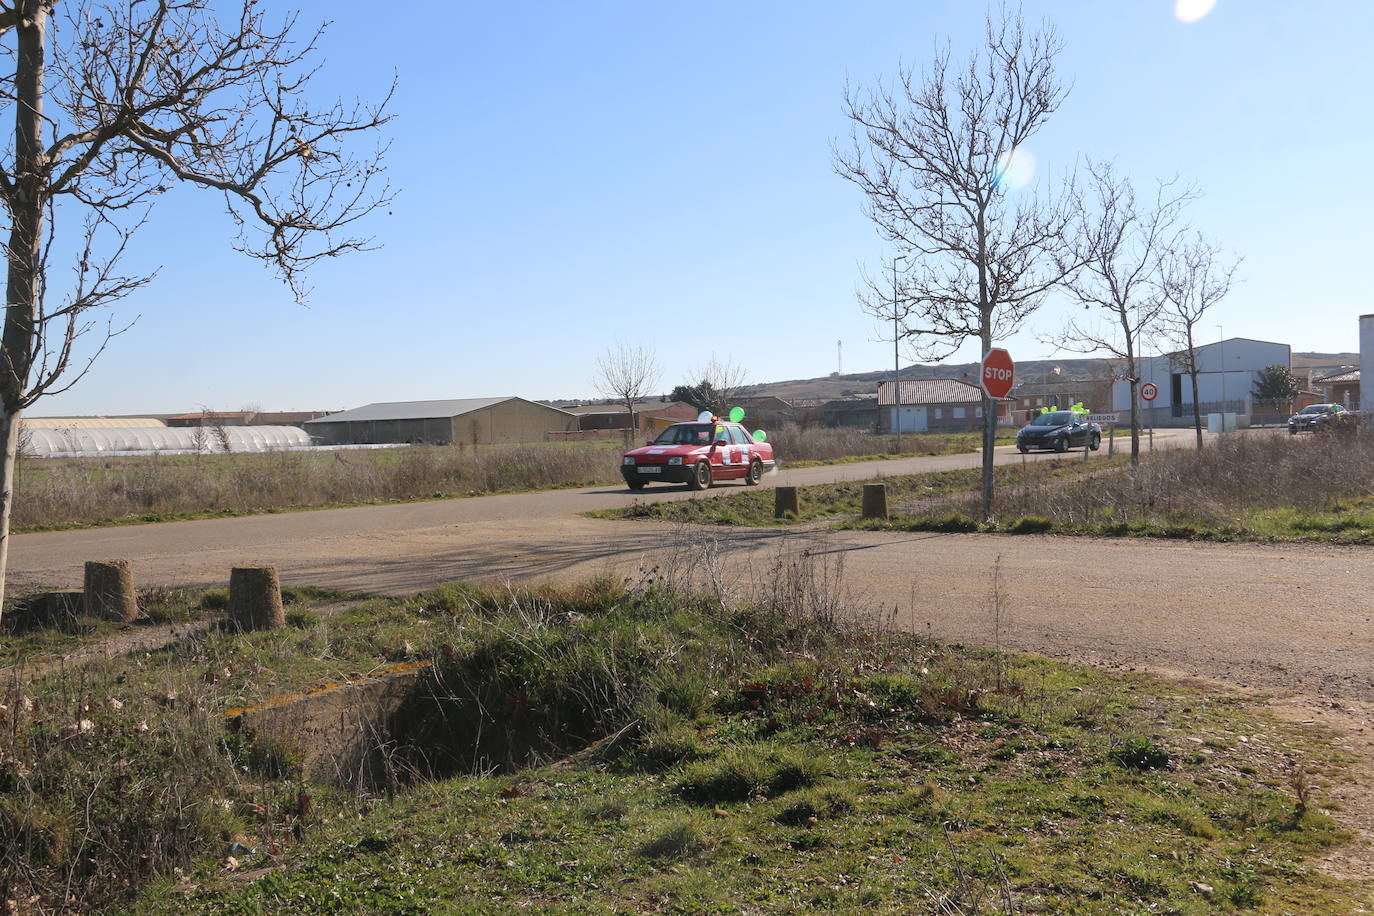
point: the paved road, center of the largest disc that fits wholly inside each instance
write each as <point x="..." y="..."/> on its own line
<point x="1290" y="617"/>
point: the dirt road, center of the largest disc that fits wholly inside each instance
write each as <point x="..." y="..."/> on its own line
<point x="1297" y="618"/>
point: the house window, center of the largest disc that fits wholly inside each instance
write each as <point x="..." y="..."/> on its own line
<point x="977" y="411"/>
<point x="939" y="413"/>
<point x="958" y="413"/>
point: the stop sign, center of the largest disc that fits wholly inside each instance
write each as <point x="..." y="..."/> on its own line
<point x="998" y="373"/>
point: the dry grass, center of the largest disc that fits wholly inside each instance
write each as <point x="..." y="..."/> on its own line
<point x="89" y="491"/>
<point x="74" y="492"/>
<point x="793" y="443"/>
<point x="1239" y="486"/>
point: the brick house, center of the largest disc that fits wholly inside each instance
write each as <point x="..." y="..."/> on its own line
<point x="936" y="405"/>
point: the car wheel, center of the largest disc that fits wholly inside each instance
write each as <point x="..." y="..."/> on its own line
<point x="755" y="473"/>
<point x="1022" y="449"/>
<point x="636" y="484"/>
<point x="1096" y="443"/>
<point x="1061" y="444"/>
<point x="701" y="476"/>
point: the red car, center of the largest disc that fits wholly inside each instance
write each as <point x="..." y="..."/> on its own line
<point x="698" y="454"/>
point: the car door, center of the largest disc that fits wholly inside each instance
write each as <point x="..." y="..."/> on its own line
<point x="720" y="453"/>
<point x="742" y="447"/>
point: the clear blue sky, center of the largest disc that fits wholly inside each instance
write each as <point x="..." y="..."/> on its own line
<point x="571" y="173"/>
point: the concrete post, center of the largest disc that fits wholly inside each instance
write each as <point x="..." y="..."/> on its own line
<point x="875" y="500"/>
<point x="785" y="500"/>
<point x="109" y="590"/>
<point x="255" y="598"/>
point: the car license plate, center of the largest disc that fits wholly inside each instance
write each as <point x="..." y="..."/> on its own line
<point x="650" y="469"/>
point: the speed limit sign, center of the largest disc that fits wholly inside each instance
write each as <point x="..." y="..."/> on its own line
<point x="1149" y="391"/>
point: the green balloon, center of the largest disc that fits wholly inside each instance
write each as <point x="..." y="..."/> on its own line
<point x="760" y="436"/>
<point x="736" y="414"/>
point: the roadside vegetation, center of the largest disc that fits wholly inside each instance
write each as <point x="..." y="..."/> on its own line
<point x="59" y="493"/>
<point x="1239" y="488"/>
<point x="910" y="493"/>
<point x="655" y="745"/>
<point x="1251" y="487"/>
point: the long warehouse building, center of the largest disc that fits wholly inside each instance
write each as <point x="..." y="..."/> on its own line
<point x="466" y="421"/>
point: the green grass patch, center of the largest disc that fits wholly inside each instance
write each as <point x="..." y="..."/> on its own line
<point x="590" y="749"/>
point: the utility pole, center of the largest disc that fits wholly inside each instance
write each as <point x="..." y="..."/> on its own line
<point x="896" y="358"/>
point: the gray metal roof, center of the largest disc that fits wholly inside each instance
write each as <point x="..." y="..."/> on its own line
<point x="931" y="391"/>
<point x="412" y="410"/>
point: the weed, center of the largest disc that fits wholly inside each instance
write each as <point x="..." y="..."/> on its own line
<point x="1137" y="752"/>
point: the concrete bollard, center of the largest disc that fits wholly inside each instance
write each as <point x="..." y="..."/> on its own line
<point x="785" y="500"/>
<point x="875" y="500"/>
<point x="255" y="598"/>
<point x="109" y="590"/>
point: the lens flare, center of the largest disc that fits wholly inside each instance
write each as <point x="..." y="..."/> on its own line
<point x="1192" y="10"/>
<point x="1015" y="169"/>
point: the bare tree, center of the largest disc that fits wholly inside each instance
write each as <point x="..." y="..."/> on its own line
<point x="1121" y="242"/>
<point x="932" y="155"/>
<point x="721" y="381"/>
<point x="1193" y="278"/>
<point x="628" y="373"/>
<point x="114" y="102"/>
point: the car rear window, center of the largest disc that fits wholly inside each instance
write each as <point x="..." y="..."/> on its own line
<point x="738" y="436"/>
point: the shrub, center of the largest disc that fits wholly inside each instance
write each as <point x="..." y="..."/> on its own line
<point x="1030" y="524"/>
<point x="742" y="772"/>
<point x="1140" y="753"/>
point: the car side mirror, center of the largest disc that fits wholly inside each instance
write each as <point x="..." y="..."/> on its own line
<point x="648" y="442"/>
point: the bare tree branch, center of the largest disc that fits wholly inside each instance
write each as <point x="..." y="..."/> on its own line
<point x="932" y="154"/>
<point x="1121" y="243"/>
<point x="628" y="373"/>
<point x="114" y="102"/>
<point x="1193" y="278"/>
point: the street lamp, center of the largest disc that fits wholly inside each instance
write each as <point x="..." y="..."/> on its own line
<point x="1221" y="357"/>
<point x="896" y="358"/>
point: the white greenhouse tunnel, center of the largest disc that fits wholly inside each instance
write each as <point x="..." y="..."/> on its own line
<point x="87" y="443"/>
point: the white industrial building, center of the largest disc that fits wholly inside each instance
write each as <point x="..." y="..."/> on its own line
<point x="1225" y="383"/>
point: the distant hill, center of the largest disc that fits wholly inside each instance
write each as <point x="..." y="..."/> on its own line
<point x="1030" y="372"/>
<point x="835" y="386"/>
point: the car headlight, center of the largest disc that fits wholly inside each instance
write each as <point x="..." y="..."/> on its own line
<point x="676" y="459"/>
<point x="627" y="460"/>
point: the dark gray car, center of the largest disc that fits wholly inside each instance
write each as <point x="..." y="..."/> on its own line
<point x="1059" y="430"/>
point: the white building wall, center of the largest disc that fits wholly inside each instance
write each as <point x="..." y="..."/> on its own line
<point x="914" y="419"/>
<point x="1366" y="362"/>
<point x="1228" y="370"/>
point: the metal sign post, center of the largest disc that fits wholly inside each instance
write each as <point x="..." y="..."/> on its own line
<point x="996" y="379"/>
<point x="1148" y="392"/>
<point x="1109" y="420"/>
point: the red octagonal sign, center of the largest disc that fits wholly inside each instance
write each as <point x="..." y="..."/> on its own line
<point x="998" y="373"/>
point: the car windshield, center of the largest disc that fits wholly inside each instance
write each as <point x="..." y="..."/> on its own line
<point x="1315" y="408"/>
<point x="1053" y="418"/>
<point x="686" y="434"/>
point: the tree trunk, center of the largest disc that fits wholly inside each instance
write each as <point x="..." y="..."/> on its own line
<point x="255" y="598"/>
<point x="1197" y="410"/>
<point x="23" y="256"/>
<point x="9" y="436"/>
<point x="110" y="593"/>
